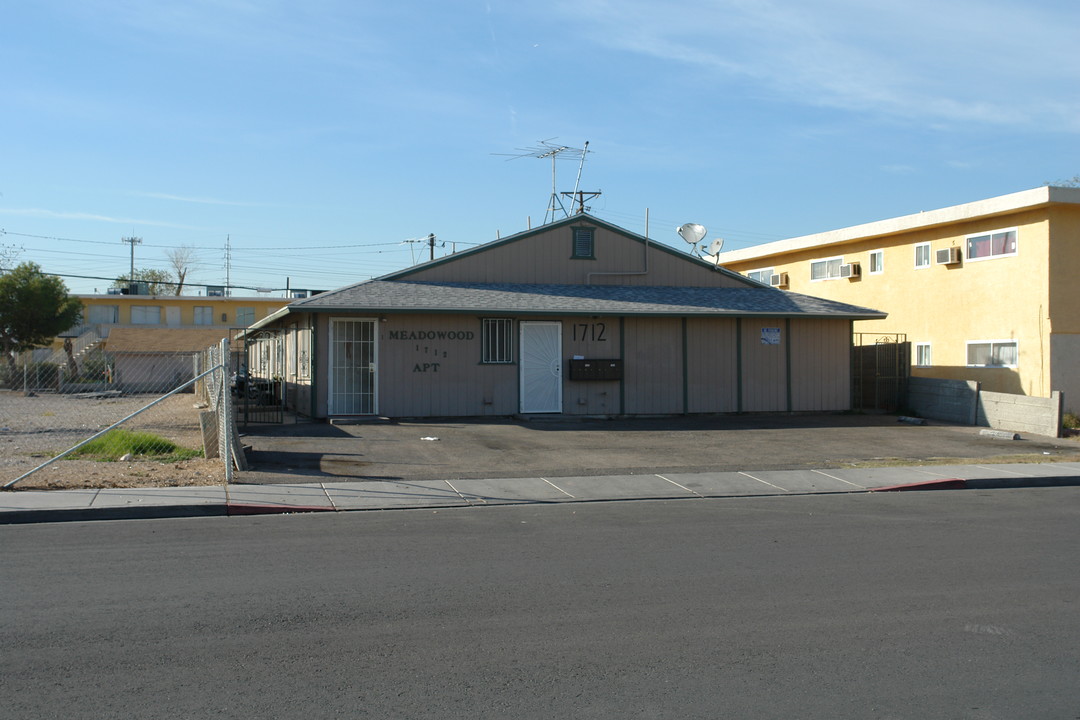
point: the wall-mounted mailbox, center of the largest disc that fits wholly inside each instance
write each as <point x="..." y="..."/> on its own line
<point x="593" y="369"/>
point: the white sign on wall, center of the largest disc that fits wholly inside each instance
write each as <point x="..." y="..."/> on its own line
<point x="770" y="336"/>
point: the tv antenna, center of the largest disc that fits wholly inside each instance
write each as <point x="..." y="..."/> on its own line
<point x="548" y="149"/>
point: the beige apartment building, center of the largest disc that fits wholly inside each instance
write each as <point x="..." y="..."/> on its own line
<point x="576" y="317"/>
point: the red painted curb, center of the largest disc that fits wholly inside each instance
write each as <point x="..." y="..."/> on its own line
<point x="943" y="484"/>
<point x="235" y="509"/>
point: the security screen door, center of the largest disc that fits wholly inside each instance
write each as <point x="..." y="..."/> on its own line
<point x="541" y="367"/>
<point x="352" y="367"/>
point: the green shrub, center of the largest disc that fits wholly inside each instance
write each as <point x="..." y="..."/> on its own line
<point x="115" y="444"/>
<point x="1070" y="421"/>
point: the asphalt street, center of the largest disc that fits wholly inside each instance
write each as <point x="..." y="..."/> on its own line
<point x="912" y="605"/>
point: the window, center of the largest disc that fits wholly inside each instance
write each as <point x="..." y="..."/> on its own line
<point x="145" y="314"/>
<point x="922" y="255"/>
<point x="497" y="339"/>
<point x="761" y="276"/>
<point x="204" y="315"/>
<point x="922" y="355"/>
<point x="994" y="244"/>
<point x="103" y="314"/>
<point x="583" y="242"/>
<point x="303" y="344"/>
<point x="826" y="269"/>
<point x="877" y="262"/>
<point x="992" y="353"/>
<point x="245" y="316"/>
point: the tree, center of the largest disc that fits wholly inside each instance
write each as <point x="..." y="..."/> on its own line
<point x="34" y="308"/>
<point x="181" y="259"/>
<point x="1074" y="181"/>
<point x="159" y="282"/>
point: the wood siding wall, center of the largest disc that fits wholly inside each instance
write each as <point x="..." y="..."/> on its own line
<point x="764" y="367"/>
<point x="654" y="366"/>
<point x="670" y="366"/>
<point x="819" y="346"/>
<point x="712" y="363"/>
<point x="421" y="375"/>
<point x="545" y="258"/>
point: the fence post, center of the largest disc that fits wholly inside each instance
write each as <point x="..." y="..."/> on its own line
<point x="227" y="428"/>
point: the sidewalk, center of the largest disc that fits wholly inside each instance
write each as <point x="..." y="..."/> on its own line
<point x="133" y="503"/>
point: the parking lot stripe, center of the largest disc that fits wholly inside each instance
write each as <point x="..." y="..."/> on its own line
<point x="762" y="481"/>
<point x="680" y="486"/>
<point x="819" y="472"/>
<point x="557" y="488"/>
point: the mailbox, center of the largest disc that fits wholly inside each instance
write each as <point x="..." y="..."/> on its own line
<point x="596" y="369"/>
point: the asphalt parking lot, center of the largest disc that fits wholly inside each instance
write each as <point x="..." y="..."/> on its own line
<point x="558" y="447"/>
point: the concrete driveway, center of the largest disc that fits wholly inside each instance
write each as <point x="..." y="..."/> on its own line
<point x="505" y="448"/>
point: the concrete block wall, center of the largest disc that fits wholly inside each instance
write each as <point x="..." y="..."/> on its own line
<point x="963" y="402"/>
<point x="949" y="400"/>
<point x="1021" y="413"/>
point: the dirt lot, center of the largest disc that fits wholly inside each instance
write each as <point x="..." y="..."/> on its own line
<point x="33" y="429"/>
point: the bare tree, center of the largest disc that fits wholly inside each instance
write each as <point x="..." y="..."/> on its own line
<point x="181" y="259"/>
<point x="8" y="255"/>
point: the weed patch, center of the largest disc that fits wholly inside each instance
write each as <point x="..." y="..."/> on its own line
<point x="115" y="444"/>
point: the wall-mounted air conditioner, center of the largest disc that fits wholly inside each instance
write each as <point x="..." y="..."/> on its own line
<point x="779" y="280"/>
<point x="948" y="256"/>
<point x="850" y="270"/>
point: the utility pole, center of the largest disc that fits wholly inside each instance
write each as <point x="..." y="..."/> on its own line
<point x="133" y="241"/>
<point x="431" y="244"/>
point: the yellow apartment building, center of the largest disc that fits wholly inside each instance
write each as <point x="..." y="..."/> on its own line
<point x="103" y="313"/>
<point x="986" y="291"/>
<point x="181" y="311"/>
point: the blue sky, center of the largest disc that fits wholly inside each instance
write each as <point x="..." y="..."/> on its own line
<point x="319" y="136"/>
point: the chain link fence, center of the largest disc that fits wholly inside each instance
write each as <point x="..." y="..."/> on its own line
<point x="117" y="420"/>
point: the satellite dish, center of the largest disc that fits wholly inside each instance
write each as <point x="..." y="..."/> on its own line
<point x="716" y="246"/>
<point x="692" y="232"/>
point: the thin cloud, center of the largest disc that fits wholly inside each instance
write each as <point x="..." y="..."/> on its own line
<point x="198" y="200"/>
<point x="992" y="63"/>
<point x="61" y="215"/>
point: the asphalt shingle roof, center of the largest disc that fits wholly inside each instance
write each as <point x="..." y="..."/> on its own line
<point x="508" y="298"/>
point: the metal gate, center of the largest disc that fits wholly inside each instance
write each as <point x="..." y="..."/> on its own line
<point x="258" y="380"/>
<point x="880" y="368"/>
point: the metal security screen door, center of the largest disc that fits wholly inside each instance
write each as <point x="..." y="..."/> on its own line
<point x="352" y="367"/>
<point x="541" y="367"/>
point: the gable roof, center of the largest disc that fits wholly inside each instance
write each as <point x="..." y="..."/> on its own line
<point x="163" y="340"/>
<point x="572" y="220"/>
<point x="389" y="297"/>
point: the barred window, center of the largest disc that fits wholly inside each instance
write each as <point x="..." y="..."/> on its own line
<point x="497" y="339"/>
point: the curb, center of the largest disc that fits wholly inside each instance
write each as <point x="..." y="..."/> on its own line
<point x="158" y="512"/>
<point x="252" y="509"/>
<point x="942" y="484"/>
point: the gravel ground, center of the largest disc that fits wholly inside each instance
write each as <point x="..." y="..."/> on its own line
<point x="34" y="429"/>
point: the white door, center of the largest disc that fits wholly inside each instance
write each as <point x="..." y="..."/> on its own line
<point x="352" y="367"/>
<point x="541" y="367"/>
<point x="172" y="316"/>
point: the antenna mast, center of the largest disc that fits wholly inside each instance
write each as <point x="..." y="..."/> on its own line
<point x="548" y="149"/>
<point x="133" y="241"/>
<point x="228" y="265"/>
